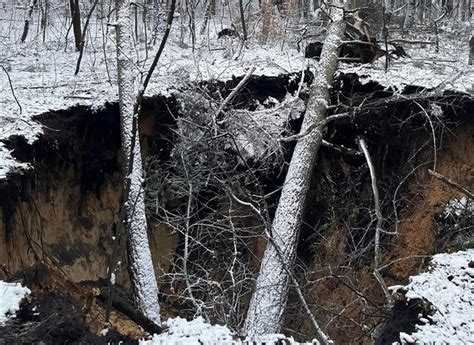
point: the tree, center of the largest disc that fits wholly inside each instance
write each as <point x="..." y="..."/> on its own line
<point x="269" y="299"/>
<point x="76" y="22"/>
<point x="410" y="14"/>
<point x="141" y="269"/>
<point x="471" y="51"/>
<point x="27" y="20"/>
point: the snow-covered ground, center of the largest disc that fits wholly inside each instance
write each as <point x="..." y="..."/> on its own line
<point x="11" y="295"/>
<point x="449" y="288"/>
<point x="42" y="74"/>
<point x="446" y="70"/>
<point x="198" y="332"/>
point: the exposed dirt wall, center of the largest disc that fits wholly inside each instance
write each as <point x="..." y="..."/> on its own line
<point x="64" y="210"/>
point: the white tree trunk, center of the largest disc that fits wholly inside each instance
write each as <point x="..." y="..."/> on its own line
<point x="471" y="51"/>
<point x="269" y="299"/>
<point x="141" y="269"/>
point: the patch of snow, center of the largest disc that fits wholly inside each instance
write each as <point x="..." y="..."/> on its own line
<point x="276" y="339"/>
<point x="192" y="332"/>
<point x="449" y="288"/>
<point x="456" y="207"/>
<point x="11" y="295"/>
<point x="446" y="69"/>
<point x="43" y="80"/>
<point x="198" y="332"/>
<point x="257" y="132"/>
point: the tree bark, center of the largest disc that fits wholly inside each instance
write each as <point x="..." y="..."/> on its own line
<point x="410" y="15"/>
<point x="27" y="20"/>
<point x="84" y="33"/>
<point x="269" y="299"/>
<point x="76" y="22"/>
<point x="140" y="262"/>
<point x="242" y="20"/>
<point x="471" y="51"/>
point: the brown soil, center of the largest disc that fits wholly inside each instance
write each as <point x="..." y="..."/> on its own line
<point x="349" y="299"/>
<point x="64" y="213"/>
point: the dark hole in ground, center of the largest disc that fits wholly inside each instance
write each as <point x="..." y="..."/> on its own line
<point x="403" y="317"/>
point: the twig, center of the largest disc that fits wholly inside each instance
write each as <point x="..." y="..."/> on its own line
<point x="433" y="133"/>
<point x="234" y="92"/>
<point x="410" y="41"/>
<point x="357" y="42"/>
<point x="378" y="213"/>
<point x="11" y="87"/>
<point x="452" y="184"/>
<point x="340" y="149"/>
<point x="318" y="126"/>
<point x="78" y="97"/>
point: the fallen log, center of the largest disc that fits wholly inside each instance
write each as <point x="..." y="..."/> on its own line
<point x="269" y="299"/>
<point x="130" y="311"/>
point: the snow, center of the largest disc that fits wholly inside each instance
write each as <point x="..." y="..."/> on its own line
<point x="43" y="79"/>
<point x="268" y="302"/>
<point x="198" y="332"/>
<point x="141" y="269"/>
<point x="446" y="70"/>
<point x="456" y="207"/>
<point x="449" y="288"/>
<point x="257" y="132"/>
<point x="11" y="295"/>
<point x="42" y="74"/>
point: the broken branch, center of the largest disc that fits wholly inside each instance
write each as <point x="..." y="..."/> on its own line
<point x="378" y="214"/>
<point x="452" y="184"/>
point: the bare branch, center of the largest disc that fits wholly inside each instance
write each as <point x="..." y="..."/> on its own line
<point x="234" y="92"/>
<point x="11" y="87"/>
<point x="452" y="184"/>
<point x="378" y="227"/>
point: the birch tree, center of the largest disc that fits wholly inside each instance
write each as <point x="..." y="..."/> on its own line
<point x="141" y="270"/>
<point x="269" y="299"/>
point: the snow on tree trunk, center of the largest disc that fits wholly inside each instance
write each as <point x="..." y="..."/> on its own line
<point x="471" y="51"/>
<point x="141" y="268"/>
<point x="269" y="299"/>
<point x="410" y="15"/>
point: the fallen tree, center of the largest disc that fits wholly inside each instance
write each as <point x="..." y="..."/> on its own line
<point x="269" y="299"/>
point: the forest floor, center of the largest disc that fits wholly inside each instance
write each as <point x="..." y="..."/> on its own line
<point x="38" y="76"/>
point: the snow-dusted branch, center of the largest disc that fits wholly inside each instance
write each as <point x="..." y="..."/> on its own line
<point x="378" y="226"/>
<point x="452" y="184"/>
<point x="318" y="126"/>
<point x="234" y="92"/>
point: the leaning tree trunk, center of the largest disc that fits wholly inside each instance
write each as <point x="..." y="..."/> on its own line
<point x="140" y="263"/>
<point x="269" y="299"/>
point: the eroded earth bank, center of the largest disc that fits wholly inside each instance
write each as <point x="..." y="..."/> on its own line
<point x="57" y="219"/>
